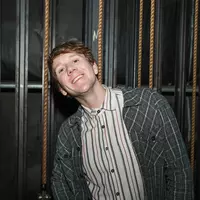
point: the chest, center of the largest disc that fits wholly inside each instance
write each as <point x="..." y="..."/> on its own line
<point x="146" y="136"/>
<point x="105" y="140"/>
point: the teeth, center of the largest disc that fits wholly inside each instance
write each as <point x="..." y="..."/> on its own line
<point x="76" y="79"/>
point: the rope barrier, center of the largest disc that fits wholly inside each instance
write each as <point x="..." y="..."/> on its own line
<point x="140" y="43"/>
<point x="194" y="84"/>
<point x="151" y="53"/>
<point x="43" y="195"/>
<point x="100" y="41"/>
<point x="45" y="84"/>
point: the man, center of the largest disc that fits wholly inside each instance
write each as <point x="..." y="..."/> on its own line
<point x="120" y="144"/>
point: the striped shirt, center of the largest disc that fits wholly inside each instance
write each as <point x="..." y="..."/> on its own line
<point x="109" y="161"/>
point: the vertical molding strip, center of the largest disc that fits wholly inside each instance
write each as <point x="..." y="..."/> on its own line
<point x="158" y="47"/>
<point x="21" y="95"/>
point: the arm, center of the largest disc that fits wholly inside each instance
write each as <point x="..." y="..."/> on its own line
<point x="177" y="169"/>
<point x="62" y="174"/>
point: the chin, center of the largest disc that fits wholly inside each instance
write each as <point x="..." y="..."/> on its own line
<point x="82" y="90"/>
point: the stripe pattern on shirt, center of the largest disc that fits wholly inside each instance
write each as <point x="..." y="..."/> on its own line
<point x="109" y="161"/>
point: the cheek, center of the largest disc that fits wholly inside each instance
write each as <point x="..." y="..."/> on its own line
<point x="63" y="80"/>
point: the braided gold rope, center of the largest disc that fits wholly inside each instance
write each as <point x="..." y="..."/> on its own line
<point x="151" y="53"/>
<point x="100" y="41"/>
<point x="140" y="43"/>
<point x="194" y="83"/>
<point x="45" y="97"/>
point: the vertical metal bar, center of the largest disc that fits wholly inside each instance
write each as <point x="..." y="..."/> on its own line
<point x="180" y="73"/>
<point x="91" y="23"/>
<point x="189" y="74"/>
<point x="108" y="68"/>
<point x="127" y="22"/>
<point x="21" y="93"/>
<point x="132" y="45"/>
<point x="0" y="40"/>
<point x="130" y="34"/>
<point x="110" y="44"/>
<point x="114" y="82"/>
<point x="88" y="22"/>
<point x="158" y="47"/>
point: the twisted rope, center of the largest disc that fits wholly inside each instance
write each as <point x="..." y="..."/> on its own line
<point x="151" y="53"/>
<point x="45" y="97"/>
<point x="100" y="41"/>
<point x="194" y="83"/>
<point x="140" y="43"/>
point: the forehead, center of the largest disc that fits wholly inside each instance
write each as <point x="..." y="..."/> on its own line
<point x="65" y="57"/>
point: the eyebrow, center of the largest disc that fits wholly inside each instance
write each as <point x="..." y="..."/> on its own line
<point x="73" y="55"/>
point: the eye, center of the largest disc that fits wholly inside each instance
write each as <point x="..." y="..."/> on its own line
<point x="60" y="70"/>
<point x="76" y="60"/>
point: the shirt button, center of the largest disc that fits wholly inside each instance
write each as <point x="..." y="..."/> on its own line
<point x="117" y="194"/>
<point x="112" y="170"/>
<point x="106" y="148"/>
<point x="98" y="111"/>
<point x="78" y="148"/>
<point x="153" y="138"/>
<point x="103" y="126"/>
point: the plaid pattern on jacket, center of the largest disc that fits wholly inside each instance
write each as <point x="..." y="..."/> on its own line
<point x="155" y="135"/>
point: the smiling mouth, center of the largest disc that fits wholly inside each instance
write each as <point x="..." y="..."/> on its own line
<point x="77" y="78"/>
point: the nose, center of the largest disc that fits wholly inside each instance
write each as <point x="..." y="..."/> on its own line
<point x="70" y="69"/>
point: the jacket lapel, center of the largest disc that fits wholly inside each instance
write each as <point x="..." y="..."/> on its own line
<point x="131" y="103"/>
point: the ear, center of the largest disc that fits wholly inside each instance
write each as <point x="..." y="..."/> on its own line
<point x="95" y="68"/>
<point x="63" y="92"/>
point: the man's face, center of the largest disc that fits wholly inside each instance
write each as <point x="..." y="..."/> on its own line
<point x="74" y="73"/>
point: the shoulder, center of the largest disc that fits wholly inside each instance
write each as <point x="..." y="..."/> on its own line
<point x="140" y="96"/>
<point x="66" y="129"/>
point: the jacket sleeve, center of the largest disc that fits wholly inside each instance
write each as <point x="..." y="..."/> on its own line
<point x="62" y="174"/>
<point x="177" y="170"/>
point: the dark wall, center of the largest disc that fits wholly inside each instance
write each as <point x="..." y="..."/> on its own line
<point x="68" y="23"/>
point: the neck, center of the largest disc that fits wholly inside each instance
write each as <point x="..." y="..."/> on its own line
<point x="94" y="98"/>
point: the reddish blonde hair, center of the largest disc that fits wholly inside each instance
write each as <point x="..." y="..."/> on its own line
<point x="70" y="47"/>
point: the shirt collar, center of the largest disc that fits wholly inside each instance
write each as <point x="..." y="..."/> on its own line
<point x="108" y="104"/>
<point x="110" y="101"/>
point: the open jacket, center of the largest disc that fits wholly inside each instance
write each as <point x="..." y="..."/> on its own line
<point x="156" y="139"/>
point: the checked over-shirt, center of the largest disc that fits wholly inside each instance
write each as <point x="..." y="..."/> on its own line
<point x="109" y="160"/>
<point x="158" y="144"/>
